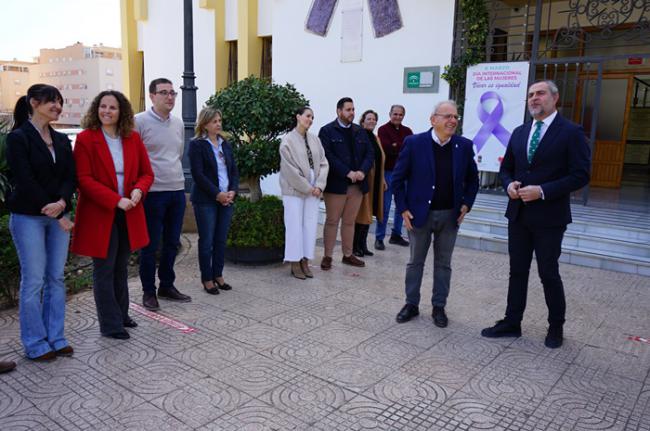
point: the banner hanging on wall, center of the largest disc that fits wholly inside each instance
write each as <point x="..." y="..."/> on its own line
<point x="495" y="102"/>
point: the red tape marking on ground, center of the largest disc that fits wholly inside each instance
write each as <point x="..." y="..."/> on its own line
<point x="639" y="339"/>
<point x="163" y="319"/>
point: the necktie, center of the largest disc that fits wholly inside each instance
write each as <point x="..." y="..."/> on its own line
<point x="534" y="141"/>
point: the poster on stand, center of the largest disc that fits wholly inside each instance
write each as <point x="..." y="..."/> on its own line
<point x="495" y="102"/>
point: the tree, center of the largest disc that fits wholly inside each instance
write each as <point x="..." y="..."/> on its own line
<point x="255" y="113"/>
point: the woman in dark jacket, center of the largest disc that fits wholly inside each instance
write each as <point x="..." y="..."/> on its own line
<point x="216" y="180"/>
<point x="42" y="178"/>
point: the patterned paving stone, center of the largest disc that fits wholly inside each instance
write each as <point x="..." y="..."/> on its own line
<point x="169" y="340"/>
<point x="296" y="321"/>
<point x="517" y="376"/>
<point x="259" y="308"/>
<point x="369" y="320"/>
<point x="222" y="322"/>
<point x="120" y="358"/>
<point x="351" y="372"/>
<point x="357" y="415"/>
<point x="302" y="352"/>
<point x="308" y="398"/>
<point x="29" y="420"/>
<point x="410" y="391"/>
<point x="210" y="357"/>
<point x="387" y="352"/>
<point x="419" y="332"/>
<point x="614" y="362"/>
<point x="256" y="416"/>
<point x="360" y="297"/>
<point x="11" y="401"/>
<point x="143" y="417"/>
<point x="158" y="377"/>
<point x="261" y="336"/>
<point x="256" y="375"/>
<point x="340" y="336"/>
<point x="533" y="341"/>
<point x="640" y="418"/>
<point x="201" y="402"/>
<point x="330" y="308"/>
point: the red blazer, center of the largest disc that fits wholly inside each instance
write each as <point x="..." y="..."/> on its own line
<point x="98" y="196"/>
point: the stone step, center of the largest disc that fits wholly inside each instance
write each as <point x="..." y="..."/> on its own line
<point x="583" y="256"/>
<point x="589" y="240"/>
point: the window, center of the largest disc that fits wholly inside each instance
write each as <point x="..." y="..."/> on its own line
<point x="266" y="68"/>
<point x="232" y="62"/>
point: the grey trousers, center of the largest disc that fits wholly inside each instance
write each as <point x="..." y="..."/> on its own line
<point x="110" y="275"/>
<point x="442" y="225"/>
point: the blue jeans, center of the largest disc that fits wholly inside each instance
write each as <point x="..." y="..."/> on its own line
<point x="42" y="248"/>
<point x="213" y="222"/>
<point x="380" y="230"/>
<point x="164" y="212"/>
<point x="444" y="227"/>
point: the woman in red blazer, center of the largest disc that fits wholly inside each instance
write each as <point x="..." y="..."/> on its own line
<point x="114" y="174"/>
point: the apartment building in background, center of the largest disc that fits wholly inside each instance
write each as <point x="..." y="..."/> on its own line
<point x="14" y="82"/>
<point x="79" y="72"/>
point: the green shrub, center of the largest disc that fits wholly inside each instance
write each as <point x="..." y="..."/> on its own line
<point x="9" y="266"/>
<point x="259" y="224"/>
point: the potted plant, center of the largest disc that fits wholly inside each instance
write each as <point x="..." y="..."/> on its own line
<point x="256" y="112"/>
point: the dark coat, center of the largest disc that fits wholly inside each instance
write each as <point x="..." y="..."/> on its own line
<point x="414" y="176"/>
<point x="203" y="166"/>
<point x="35" y="179"/>
<point x="340" y="158"/>
<point x="560" y="166"/>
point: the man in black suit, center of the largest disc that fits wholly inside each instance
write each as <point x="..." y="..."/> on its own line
<point x="545" y="161"/>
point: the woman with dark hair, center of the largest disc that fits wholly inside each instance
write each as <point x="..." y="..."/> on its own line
<point x="303" y="176"/>
<point x="114" y="174"/>
<point x="42" y="178"/>
<point x="373" y="201"/>
<point x="216" y="180"/>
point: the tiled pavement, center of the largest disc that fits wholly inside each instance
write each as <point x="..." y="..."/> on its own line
<point x="278" y="353"/>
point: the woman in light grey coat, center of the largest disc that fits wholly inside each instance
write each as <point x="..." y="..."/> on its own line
<point x="303" y="175"/>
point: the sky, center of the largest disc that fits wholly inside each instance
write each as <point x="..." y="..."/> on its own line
<point x="29" y="25"/>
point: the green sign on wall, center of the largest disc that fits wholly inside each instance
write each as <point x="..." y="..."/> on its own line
<point x="421" y="79"/>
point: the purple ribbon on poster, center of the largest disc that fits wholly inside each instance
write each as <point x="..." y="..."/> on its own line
<point x="491" y="122"/>
<point x="386" y="17"/>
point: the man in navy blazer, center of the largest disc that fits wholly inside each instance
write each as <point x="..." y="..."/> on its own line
<point x="435" y="181"/>
<point x="545" y="161"/>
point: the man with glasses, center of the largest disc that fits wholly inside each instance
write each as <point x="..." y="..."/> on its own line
<point x="435" y="182"/>
<point x="164" y="206"/>
<point x="391" y="135"/>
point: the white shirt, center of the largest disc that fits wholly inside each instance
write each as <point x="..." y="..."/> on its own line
<point x="436" y="139"/>
<point x="546" y="123"/>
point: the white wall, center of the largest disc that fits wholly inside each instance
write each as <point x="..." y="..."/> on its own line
<point x="160" y="37"/>
<point x="231" y="31"/>
<point x="264" y="18"/>
<point x="312" y="63"/>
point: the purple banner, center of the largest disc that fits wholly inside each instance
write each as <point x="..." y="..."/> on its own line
<point x="386" y="17"/>
<point x="491" y="122"/>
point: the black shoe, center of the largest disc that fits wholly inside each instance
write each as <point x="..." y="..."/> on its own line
<point x="379" y="245"/>
<point x="398" y="240"/>
<point x="119" y="335"/>
<point x="502" y="329"/>
<point x="554" y="337"/>
<point x="214" y="290"/>
<point x="439" y="317"/>
<point x="130" y="323"/>
<point x="407" y="313"/>
<point x="358" y="252"/>
<point x="172" y="294"/>
<point x="6" y="366"/>
<point x="150" y="302"/>
<point x="224" y="286"/>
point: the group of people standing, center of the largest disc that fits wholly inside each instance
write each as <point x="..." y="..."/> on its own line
<point x="128" y="172"/>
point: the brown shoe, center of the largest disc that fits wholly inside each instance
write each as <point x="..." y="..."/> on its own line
<point x="66" y="351"/>
<point x="326" y="263"/>
<point x="304" y="265"/>
<point x="45" y="357"/>
<point x="150" y="302"/>
<point x="6" y="366"/>
<point x="296" y="271"/>
<point x="353" y="261"/>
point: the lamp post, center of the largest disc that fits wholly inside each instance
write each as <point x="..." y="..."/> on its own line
<point x="188" y="88"/>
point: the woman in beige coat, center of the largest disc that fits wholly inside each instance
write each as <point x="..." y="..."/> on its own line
<point x="373" y="201"/>
<point x="303" y="175"/>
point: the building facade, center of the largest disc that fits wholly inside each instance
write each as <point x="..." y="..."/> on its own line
<point x="79" y="72"/>
<point x="14" y="82"/>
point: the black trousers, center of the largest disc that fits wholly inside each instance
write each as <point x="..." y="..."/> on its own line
<point x="110" y="275"/>
<point x="546" y="242"/>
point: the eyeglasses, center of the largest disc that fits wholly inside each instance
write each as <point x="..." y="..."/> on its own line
<point x="448" y="117"/>
<point x="165" y="93"/>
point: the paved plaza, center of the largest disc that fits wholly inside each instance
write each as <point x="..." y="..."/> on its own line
<point x="278" y="353"/>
